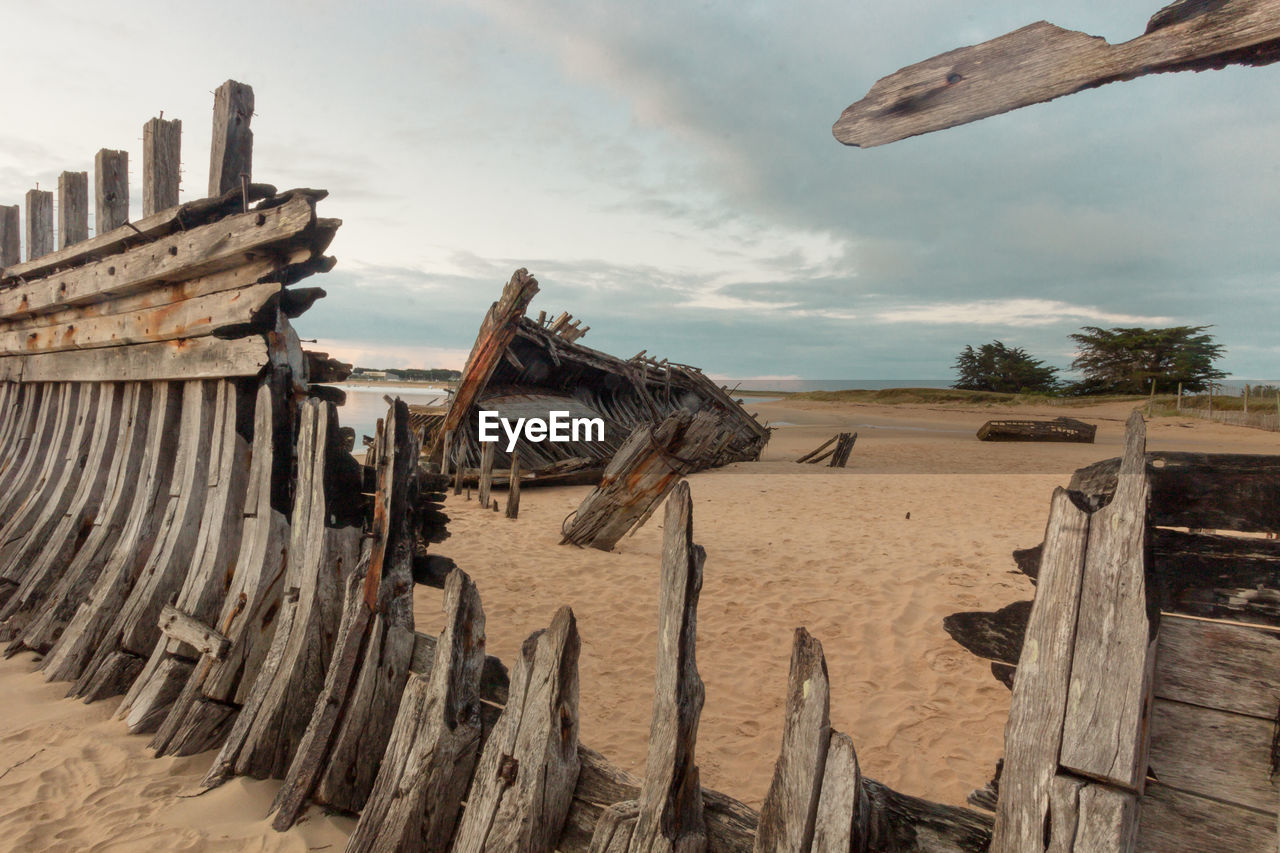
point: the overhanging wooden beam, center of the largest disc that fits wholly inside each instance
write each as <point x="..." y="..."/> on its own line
<point x="1042" y="61"/>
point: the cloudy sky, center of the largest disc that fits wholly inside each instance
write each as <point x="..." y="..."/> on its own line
<point x="668" y="173"/>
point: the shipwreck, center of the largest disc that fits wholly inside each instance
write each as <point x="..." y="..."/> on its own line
<point x="523" y="367"/>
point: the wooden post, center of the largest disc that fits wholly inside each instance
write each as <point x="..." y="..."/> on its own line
<point x="486" y="473"/>
<point x="1210" y="401"/>
<point x="1179" y="396"/>
<point x="10" y="239"/>
<point x="513" y="486"/>
<point x="461" y="466"/>
<point x="73" y="208"/>
<point x="110" y="189"/>
<point x="231" y="154"/>
<point x="444" y="456"/>
<point x="1246" y="399"/>
<point x="39" y="223"/>
<point x="161" y="162"/>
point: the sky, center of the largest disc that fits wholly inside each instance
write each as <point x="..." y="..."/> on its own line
<point x="667" y="172"/>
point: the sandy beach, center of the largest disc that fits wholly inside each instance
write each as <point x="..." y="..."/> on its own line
<point x="869" y="558"/>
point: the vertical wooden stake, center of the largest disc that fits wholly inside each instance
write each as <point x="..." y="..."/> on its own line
<point x="231" y="154"/>
<point x="10" y="253"/>
<point x="1179" y="396"/>
<point x="446" y="449"/>
<point x="513" y="486"/>
<point x="161" y="163"/>
<point x="1246" y="399"/>
<point x="457" y="478"/>
<point x="73" y="208"/>
<point x="486" y="473"/>
<point x="39" y="223"/>
<point x="110" y="189"/>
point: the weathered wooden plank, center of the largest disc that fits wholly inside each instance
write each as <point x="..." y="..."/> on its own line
<point x="842" y="823"/>
<point x="248" y="613"/>
<point x="161" y="164"/>
<point x="485" y="483"/>
<point x="177" y="625"/>
<point x="1222" y="577"/>
<point x="75" y="647"/>
<point x="73" y="208"/>
<point x="190" y="215"/>
<point x="134" y="628"/>
<point x="10" y="236"/>
<point x="110" y="518"/>
<point x="27" y="466"/>
<point x="153" y="691"/>
<point x="39" y="224"/>
<point x="497" y="331"/>
<point x="1033" y="732"/>
<point x="644" y="470"/>
<point x="231" y="154"/>
<point x="110" y="190"/>
<point x="1105" y="733"/>
<point x="1041" y="62"/>
<point x="1214" y="754"/>
<point x="20" y="425"/>
<point x="47" y="550"/>
<point x="1210" y="491"/>
<point x="193" y="358"/>
<point x="525" y="779"/>
<point x="247" y="307"/>
<point x="513" y="487"/>
<point x="1228" y="667"/>
<point x="434" y="742"/>
<point x="187" y="254"/>
<point x="790" y="808"/>
<point x="1177" y="822"/>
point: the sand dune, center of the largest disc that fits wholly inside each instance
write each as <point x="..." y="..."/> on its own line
<point x="787" y="545"/>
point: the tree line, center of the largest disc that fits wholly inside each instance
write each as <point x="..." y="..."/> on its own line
<point x="1110" y="361"/>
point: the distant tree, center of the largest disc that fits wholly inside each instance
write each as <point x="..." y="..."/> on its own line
<point x="996" y="367"/>
<point x="1125" y="360"/>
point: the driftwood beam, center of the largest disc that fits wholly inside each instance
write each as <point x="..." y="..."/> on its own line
<point x="39" y="223"/>
<point x="161" y="165"/>
<point x="10" y="236"/>
<point x="231" y="152"/>
<point x="1041" y="62"/>
<point x="73" y="208"/>
<point x="179" y="626"/>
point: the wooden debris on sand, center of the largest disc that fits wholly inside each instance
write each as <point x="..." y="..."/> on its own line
<point x="1058" y="429"/>
<point x="839" y="454"/>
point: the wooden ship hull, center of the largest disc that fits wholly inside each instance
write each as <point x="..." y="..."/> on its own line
<point x="1059" y="429"/>
<point x="522" y="367"/>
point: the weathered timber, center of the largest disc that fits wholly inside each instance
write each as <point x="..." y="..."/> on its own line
<point x="1041" y="62"/>
<point x="187" y="254"/>
<point x="346" y="774"/>
<point x="647" y="467"/>
<point x="190" y="318"/>
<point x="161" y="163"/>
<point x="39" y="223"/>
<point x="513" y="488"/>
<point x="670" y="815"/>
<point x="149" y="229"/>
<point x="842" y="823"/>
<point x="10" y="236"/>
<point x="207" y="572"/>
<point x="179" y="626"/>
<point x="1058" y="429"/>
<point x="1218" y="491"/>
<point x="496" y="333"/>
<point x="1214" y="754"/>
<point x="844" y="447"/>
<point x="112" y="518"/>
<point x="524" y="781"/>
<point x="134" y="627"/>
<point x="249" y="610"/>
<point x="995" y="636"/>
<point x="1109" y="699"/>
<point x="809" y="457"/>
<point x="485" y="484"/>
<point x="319" y="561"/>
<point x="190" y="358"/>
<point x="231" y="154"/>
<point x="1037" y="709"/>
<point x="1088" y="816"/>
<point x="1174" y="821"/>
<point x="36" y="565"/>
<point x="1228" y="667"/>
<point x="434" y="742"/>
<point x="73" y="208"/>
<point x="790" y="808"/>
<point x="54" y="404"/>
<point x="110" y="191"/>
